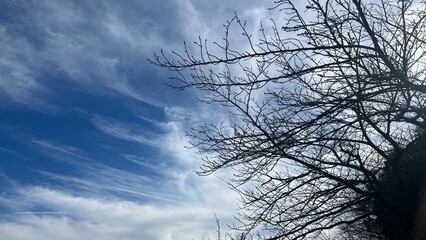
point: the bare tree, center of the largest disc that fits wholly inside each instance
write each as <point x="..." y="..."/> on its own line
<point x="324" y="109"/>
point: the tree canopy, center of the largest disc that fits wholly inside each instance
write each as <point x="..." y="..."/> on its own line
<point x="326" y="106"/>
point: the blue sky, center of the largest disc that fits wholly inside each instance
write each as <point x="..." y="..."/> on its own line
<point x="91" y="139"/>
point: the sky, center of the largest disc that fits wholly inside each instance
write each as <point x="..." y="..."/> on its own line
<point x="92" y="141"/>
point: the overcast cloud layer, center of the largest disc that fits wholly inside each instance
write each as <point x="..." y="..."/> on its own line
<point x="91" y="139"/>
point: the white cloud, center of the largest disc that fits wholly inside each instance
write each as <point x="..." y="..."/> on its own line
<point x="93" y="218"/>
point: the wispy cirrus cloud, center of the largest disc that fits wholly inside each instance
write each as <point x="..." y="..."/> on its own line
<point x="101" y="48"/>
<point x="96" y="177"/>
<point x="126" y="131"/>
<point x="58" y="151"/>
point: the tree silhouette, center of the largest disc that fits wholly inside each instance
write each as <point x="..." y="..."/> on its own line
<point x="325" y="108"/>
